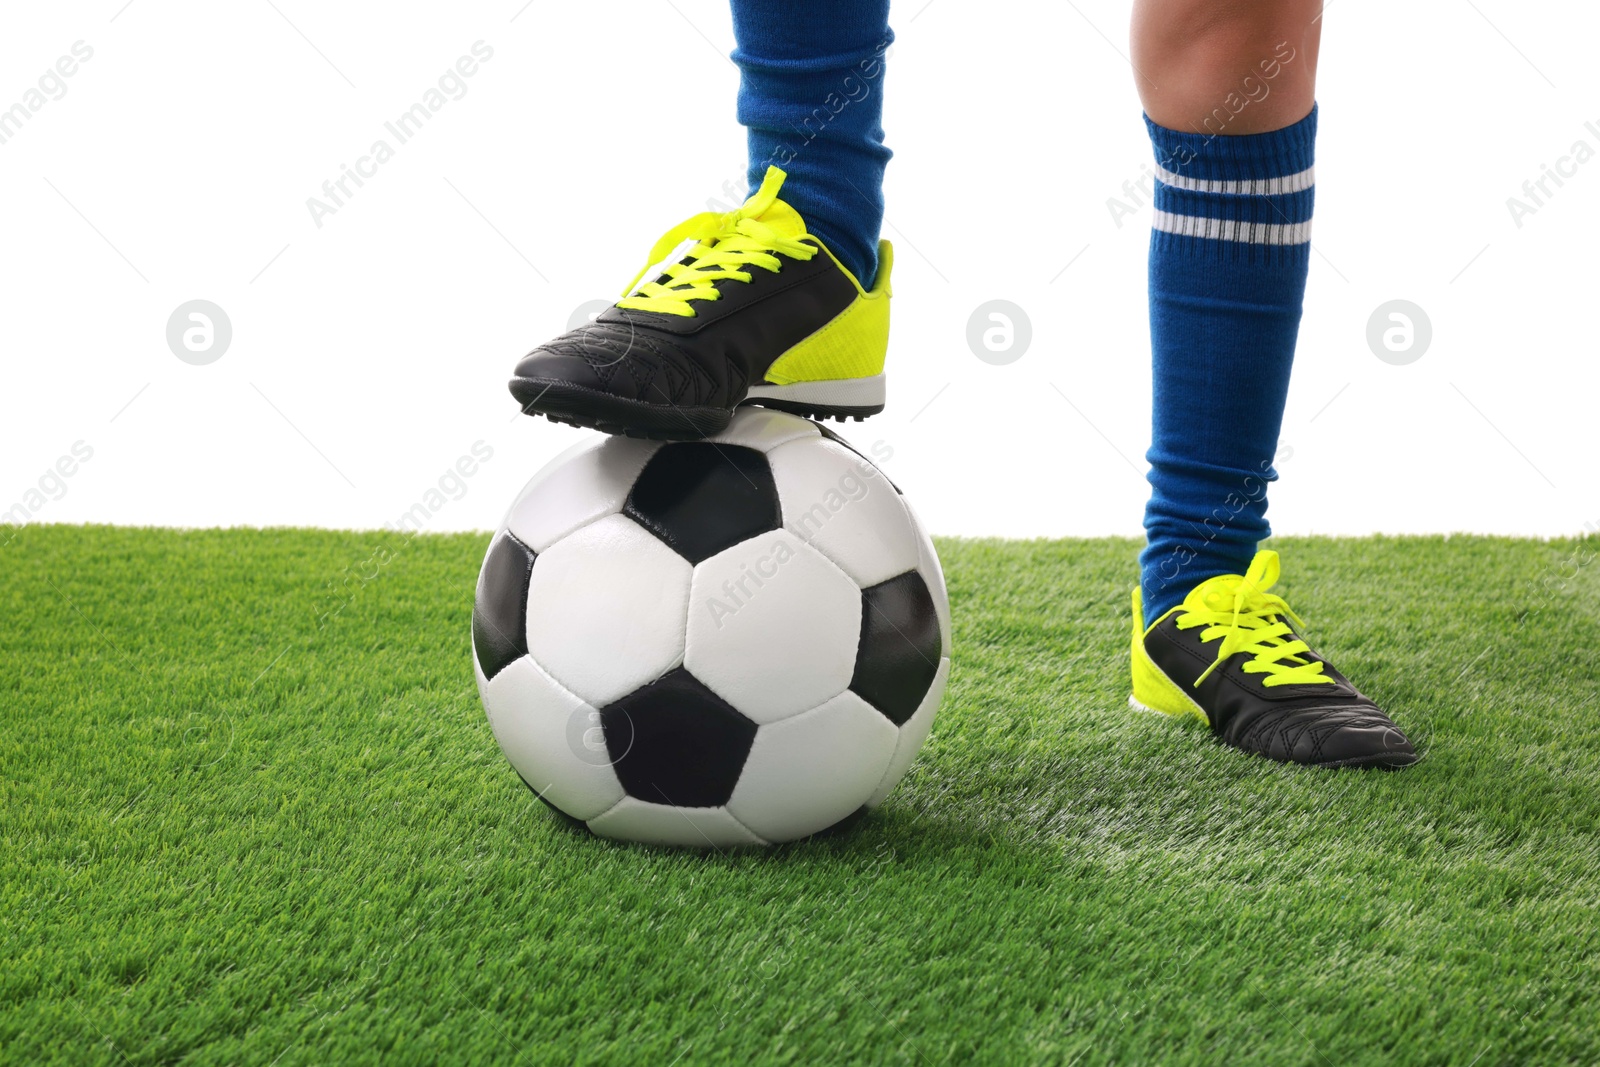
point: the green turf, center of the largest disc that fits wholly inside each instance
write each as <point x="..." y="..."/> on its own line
<point x="253" y="813"/>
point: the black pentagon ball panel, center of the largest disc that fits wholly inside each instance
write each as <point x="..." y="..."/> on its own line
<point x="676" y="742"/>
<point x="899" y="651"/>
<point x="500" y="609"/>
<point x="701" y="498"/>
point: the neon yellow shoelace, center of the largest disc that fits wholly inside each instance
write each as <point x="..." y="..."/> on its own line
<point x="725" y="246"/>
<point x="1253" y="621"/>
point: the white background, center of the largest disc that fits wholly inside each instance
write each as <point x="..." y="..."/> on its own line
<point x="369" y="354"/>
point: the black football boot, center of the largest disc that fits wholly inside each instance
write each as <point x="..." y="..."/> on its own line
<point x="1230" y="656"/>
<point x="744" y="307"/>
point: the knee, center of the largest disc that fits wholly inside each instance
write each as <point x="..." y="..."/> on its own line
<point x="1231" y="66"/>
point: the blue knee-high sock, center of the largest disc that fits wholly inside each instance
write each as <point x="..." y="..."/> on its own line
<point x="1229" y="253"/>
<point x="811" y="96"/>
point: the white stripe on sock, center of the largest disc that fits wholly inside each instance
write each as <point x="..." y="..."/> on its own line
<point x="1289" y="183"/>
<point x="1256" y="233"/>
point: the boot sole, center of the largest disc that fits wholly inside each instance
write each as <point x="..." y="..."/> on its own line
<point x="571" y="405"/>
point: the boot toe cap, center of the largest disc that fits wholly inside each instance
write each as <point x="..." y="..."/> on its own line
<point x="1367" y="741"/>
<point x="1331" y="737"/>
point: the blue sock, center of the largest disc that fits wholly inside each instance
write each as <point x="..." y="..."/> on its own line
<point x="1229" y="253"/>
<point x="811" y="96"/>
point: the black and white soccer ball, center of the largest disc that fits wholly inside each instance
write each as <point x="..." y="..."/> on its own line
<point x="735" y="641"/>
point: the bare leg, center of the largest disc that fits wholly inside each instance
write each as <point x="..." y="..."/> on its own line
<point x="1226" y="67"/>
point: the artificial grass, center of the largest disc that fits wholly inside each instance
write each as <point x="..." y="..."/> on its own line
<point x="253" y="813"/>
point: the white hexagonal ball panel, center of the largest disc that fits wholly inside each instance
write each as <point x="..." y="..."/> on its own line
<point x="809" y="771"/>
<point x="911" y="736"/>
<point x="606" y="609"/>
<point x="773" y="626"/>
<point x="765" y="429"/>
<point x="547" y="734"/>
<point x="588" y="481"/>
<point x="844" y="507"/>
<point x="633" y="819"/>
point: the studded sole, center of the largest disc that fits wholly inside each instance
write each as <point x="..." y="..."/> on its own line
<point x="589" y="409"/>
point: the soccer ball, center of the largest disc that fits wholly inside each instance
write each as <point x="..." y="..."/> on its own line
<point x="735" y="641"/>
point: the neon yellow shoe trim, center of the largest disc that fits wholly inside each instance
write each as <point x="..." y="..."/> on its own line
<point x="854" y="344"/>
<point x="709" y="247"/>
<point x="1152" y="689"/>
<point x="1238" y="610"/>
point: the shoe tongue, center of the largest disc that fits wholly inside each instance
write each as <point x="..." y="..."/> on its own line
<point x="782" y="218"/>
<point x="1213" y="594"/>
<point x="1261" y="576"/>
<point x="764" y="206"/>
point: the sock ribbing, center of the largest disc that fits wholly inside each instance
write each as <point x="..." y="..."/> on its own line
<point x="1246" y="197"/>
